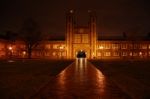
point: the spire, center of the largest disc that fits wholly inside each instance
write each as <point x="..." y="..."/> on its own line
<point x="92" y="15"/>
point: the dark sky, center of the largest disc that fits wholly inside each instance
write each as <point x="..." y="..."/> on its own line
<point x="114" y="16"/>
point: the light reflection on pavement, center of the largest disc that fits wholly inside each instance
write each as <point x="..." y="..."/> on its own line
<point x="81" y="80"/>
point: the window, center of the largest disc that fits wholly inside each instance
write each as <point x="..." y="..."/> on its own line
<point x="1" y="46"/>
<point x="54" y="53"/>
<point x="136" y="46"/>
<point x="149" y="46"/>
<point x="47" y="46"/>
<point x="101" y="46"/>
<point x="143" y="46"/>
<point x="149" y="53"/>
<point x="107" y="53"/>
<point x="55" y="46"/>
<point x="77" y="38"/>
<point x="135" y="54"/>
<point x="99" y="54"/>
<point x="81" y="30"/>
<point x="124" y="53"/>
<point x="85" y="38"/>
<point x="116" y="54"/>
<point x="123" y="46"/>
<point x="140" y="53"/>
<point x="21" y="46"/>
<point x="63" y="53"/>
<point x="107" y="46"/>
<point x="61" y="46"/>
<point x="115" y="46"/>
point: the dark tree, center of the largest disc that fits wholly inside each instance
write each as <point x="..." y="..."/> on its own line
<point x="148" y="35"/>
<point x="31" y="35"/>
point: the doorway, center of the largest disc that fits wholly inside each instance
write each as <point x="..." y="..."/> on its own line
<point x="81" y="54"/>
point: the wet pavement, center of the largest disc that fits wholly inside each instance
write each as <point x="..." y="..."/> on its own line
<point x="80" y="80"/>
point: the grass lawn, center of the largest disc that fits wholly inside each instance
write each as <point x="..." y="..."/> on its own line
<point x="133" y="77"/>
<point x="22" y="79"/>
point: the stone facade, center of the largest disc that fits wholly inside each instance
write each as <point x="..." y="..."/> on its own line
<point x="79" y="38"/>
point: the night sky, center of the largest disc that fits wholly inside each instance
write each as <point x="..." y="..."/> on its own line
<point x="114" y="16"/>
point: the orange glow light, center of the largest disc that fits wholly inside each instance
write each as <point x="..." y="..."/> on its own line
<point x="101" y="47"/>
<point x="10" y="48"/>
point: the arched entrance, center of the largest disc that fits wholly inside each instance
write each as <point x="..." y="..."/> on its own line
<point x="81" y="54"/>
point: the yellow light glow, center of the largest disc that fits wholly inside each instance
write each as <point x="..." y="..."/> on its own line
<point x="61" y="47"/>
<point x="140" y="53"/>
<point x="101" y="47"/>
<point x="93" y="54"/>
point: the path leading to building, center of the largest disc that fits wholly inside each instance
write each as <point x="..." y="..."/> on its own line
<point x="80" y="80"/>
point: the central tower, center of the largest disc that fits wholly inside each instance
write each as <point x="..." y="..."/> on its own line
<point x="80" y="38"/>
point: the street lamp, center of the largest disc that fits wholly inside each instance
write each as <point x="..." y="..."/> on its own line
<point x="10" y="51"/>
<point x="10" y="48"/>
<point x="24" y="54"/>
<point x="61" y="48"/>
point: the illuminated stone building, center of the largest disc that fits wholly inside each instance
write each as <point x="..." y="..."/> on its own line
<point x="81" y="38"/>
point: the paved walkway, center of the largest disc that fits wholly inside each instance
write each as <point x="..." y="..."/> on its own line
<point x="81" y="80"/>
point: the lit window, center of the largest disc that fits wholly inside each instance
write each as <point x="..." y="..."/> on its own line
<point x="47" y="54"/>
<point x="54" y="53"/>
<point x="64" y="54"/>
<point x="130" y="54"/>
<point x="136" y="46"/>
<point x="135" y="54"/>
<point x="107" y="46"/>
<point x="124" y="46"/>
<point x="115" y="46"/>
<point x="116" y="54"/>
<point x="1" y="47"/>
<point x="100" y="47"/>
<point x="48" y="46"/>
<point x="84" y="38"/>
<point x="107" y="53"/>
<point x="22" y="46"/>
<point x="55" y="46"/>
<point x="149" y="53"/>
<point x="130" y="46"/>
<point x="140" y="53"/>
<point x="77" y="38"/>
<point x="144" y="46"/>
<point x="99" y="54"/>
<point x="149" y="46"/>
<point x="81" y="30"/>
<point x="124" y="53"/>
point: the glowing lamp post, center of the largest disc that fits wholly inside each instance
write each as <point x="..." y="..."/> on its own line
<point x="10" y="51"/>
<point x="61" y="48"/>
<point x="10" y="48"/>
<point x="140" y="54"/>
<point x="24" y="54"/>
